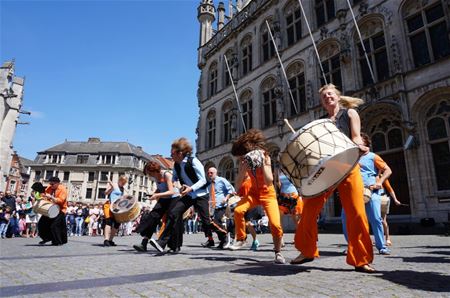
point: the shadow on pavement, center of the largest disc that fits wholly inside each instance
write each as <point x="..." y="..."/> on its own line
<point x="425" y="281"/>
<point x="424" y="260"/>
<point x="442" y="252"/>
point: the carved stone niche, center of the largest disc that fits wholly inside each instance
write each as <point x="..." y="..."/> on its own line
<point x="345" y="53"/>
<point x="340" y="15"/>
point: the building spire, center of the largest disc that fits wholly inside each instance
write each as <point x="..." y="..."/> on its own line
<point x="206" y="16"/>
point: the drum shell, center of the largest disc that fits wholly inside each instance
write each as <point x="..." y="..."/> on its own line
<point x="318" y="157"/>
<point x="46" y="208"/>
<point x="126" y="213"/>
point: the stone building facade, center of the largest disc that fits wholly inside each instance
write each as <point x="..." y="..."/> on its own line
<point x="19" y="175"/>
<point x="407" y="99"/>
<point x="11" y="93"/>
<point x="85" y="167"/>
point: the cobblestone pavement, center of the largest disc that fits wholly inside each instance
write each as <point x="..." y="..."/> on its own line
<point x="419" y="266"/>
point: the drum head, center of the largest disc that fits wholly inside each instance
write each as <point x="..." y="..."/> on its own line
<point x="233" y="200"/>
<point x="330" y="173"/>
<point x="53" y="211"/>
<point x="123" y="204"/>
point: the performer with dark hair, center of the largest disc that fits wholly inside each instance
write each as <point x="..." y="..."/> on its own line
<point x="255" y="181"/>
<point x="360" y="253"/>
<point x="191" y="174"/>
<point x="166" y="195"/>
<point x="54" y="229"/>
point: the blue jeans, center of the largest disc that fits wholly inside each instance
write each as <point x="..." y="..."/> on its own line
<point x="3" y="229"/>
<point x="373" y="212"/>
<point x="79" y="225"/>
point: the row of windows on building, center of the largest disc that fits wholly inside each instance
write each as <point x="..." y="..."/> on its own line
<point x="105" y="159"/>
<point x="102" y="176"/>
<point x="426" y="29"/>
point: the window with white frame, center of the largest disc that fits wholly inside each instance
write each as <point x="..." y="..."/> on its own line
<point x="292" y="15"/>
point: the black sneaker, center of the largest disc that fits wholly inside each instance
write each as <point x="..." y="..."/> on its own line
<point x="174" y="251"/>
<point x="208" y="243"/>
<point x="106" y="243"/>
<point x="42" y="242"/>
<point x="111" y="243"/>
<point x="156" y="245"/>
<point x="140" y="247"/>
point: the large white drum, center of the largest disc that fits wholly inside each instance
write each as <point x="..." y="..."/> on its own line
<point x="46" y="208"/>
<point x="126" y="208"/>
<point x="318" y="157"/>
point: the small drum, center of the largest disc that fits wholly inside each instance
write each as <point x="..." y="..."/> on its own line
<point x="232" y="203"/>
<point x="367" y="195"/>
<point x="125" y="208"/>
<point x="385" y="204"/>
<point x="318" y="157"/>
<point x="46" y="208"/>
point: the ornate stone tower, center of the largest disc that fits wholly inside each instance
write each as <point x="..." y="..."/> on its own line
<point x="206" y="16"/>
<point x="11" y="93"/>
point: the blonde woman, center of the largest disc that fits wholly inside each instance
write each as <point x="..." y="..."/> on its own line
<point x="360" y="253"/>
<point x="114" y="192"/>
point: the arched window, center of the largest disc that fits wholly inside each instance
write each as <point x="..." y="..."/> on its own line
<point x="247" y="108"/>
<point x="325" y="11"/>
<point x="226" y="170"/>
<point x="378" y="142"/>
<point x="212" y="79"/>
<point x="269" y="102"/>
<point x="331" y="64"/>
<point x="296" y="77"/>
<point x="292" y="17"/>
<point x="227" y="115"/>
<point x="267" y="48"/>
<point x="438" y="133"/>
<point x="246" y="55"/>
<point x="427" y="30"/>
<point x="375" y="45"/>
<point x="211" y="129"/>
<point x="387" y="134"/>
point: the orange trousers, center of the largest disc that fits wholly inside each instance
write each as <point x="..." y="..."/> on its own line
<point x="268" y="200"/>
<point x="360" y="251"/>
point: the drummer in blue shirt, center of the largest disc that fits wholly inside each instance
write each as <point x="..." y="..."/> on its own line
<point x="220" y="190"/>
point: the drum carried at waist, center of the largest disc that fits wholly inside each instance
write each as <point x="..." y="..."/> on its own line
<point x="232" y="203"/>
<point x="126" y="208"/>
<point x="46" y="208"/>
<point x="318" y="157"/>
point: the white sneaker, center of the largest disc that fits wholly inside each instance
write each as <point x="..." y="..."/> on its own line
<point x="279" y="259"/>
<point x="238" y="245"/>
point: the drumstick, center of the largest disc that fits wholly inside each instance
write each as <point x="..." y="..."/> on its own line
<point x="289" y="125"/>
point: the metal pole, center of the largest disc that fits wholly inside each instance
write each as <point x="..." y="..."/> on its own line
<point x="313" y="42"/>
<point x="282" y="68"/>
<point x="235" y="93"/>
<point x="362" y="42"/>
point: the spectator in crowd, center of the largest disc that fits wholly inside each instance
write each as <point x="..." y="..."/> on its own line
<point x="79" y="220"/>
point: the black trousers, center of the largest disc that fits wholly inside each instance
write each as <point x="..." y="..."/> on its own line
<point x="175" y="214"/>
<point x="53" y="229"/>
<point x="150" y="220"/>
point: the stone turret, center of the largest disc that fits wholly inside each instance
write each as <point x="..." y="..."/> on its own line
<point x="206" y="16"/>
<point x="221" y="14"/>
<point x="11" y="93"/>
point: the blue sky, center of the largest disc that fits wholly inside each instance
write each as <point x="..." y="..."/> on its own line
<point x="118" y="70"/>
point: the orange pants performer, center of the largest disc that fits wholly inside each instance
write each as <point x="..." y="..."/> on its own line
<point x="360" y="250"/>
<point x="256" y="194"/>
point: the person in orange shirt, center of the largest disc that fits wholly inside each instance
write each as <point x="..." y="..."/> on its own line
<point x="54" y="229"/>
<point x="360" y="252"/>
<point x="255" y="177"/>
